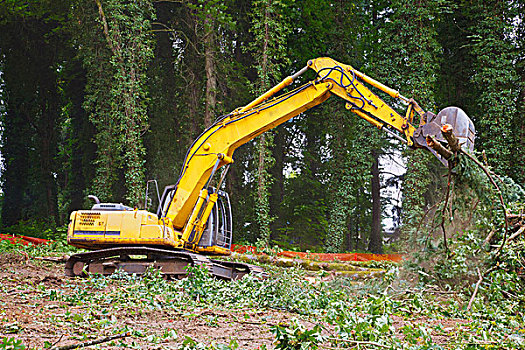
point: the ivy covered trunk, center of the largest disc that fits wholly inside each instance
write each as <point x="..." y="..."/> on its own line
<point x="211" y="69"/>
<point x="375" y="244"/>
<point x="126" y="29"/>
<point x="340" y="185"/>
<point x="270" y="33"/>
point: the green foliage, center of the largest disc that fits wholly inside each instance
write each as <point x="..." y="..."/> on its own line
<point x="39" y="229"/>
<point x="11" y="344"/>
<point x="296" y="337"/>
<point x="196" y="285"/>
<point x="490" y="36"/>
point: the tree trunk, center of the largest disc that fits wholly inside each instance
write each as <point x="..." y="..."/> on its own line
<point x="15" y="149"/>
<point x="375" y="245"/>
<point x="211" y="70"/>
<point x="277" y="189"/>
<point x="193" y="78"/>
<point x="48" y="142"/>
<point x="357" y="224"/>
<point x="82" y="149"/>
<point x="349" y="236"/>
<point x="262" y="205"/>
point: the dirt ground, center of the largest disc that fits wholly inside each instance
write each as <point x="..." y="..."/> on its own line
<point x="27" y="314"/>
<point x="28" y="317"/>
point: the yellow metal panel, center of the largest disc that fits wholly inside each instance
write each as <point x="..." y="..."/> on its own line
<point x="89" y="223"/>
<point x="131" y="221"/>
<point x="151" y="231"/>
<point x="93" y="229"/>
<point x="149" y="218"/>
<point x="114" y="221"/>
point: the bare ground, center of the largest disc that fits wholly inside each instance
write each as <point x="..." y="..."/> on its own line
<point x="28" y="315"/>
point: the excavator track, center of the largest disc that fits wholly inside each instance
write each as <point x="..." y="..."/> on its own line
<point x="233" y="270"/>
<point x="136" y="260"/>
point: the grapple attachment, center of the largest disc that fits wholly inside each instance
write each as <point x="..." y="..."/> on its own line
<point x="462" y="127"/>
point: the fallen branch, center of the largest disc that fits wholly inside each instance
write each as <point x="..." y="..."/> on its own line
<point x="358" y="342"/>
<point x="517" y="233"/>
<point x="487" y="240"/>
<point x="516" y="216"/>
<point x="62" y="258"/>
<point x="58" y="341"/>
<point x="475" y="290"/>
<point x="92" y="342"/>
<point x="502" y="201"/>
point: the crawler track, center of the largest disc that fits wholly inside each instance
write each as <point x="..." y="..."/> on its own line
<point x="172" y="264"/>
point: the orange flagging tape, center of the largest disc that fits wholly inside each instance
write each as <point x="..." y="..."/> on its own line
<point x="25" y="240"/>
<point x="325" y="256"/>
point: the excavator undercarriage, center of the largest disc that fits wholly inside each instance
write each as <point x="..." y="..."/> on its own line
<point x="171" y="263"/>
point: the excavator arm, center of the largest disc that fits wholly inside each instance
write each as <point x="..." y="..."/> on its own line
<point x="187" y="206"/>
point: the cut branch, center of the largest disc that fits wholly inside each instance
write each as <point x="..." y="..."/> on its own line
<point x="487" y="239"/>
<point x="92" y="342"/>
<point x="517" y="233"/>
<point x="438" y="147"/>
<point x="448" y="134"/>
<point x="516" y="216"/>
<point x="475" y="290"/>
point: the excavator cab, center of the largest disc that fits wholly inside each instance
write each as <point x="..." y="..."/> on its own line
<point x="219" y="226"/>
<point x="218" y="231"/>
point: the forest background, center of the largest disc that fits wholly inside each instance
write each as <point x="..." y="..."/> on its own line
<point x="97" y="96"/>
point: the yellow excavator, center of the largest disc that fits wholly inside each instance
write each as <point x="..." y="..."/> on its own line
<point x="194" y="220"/>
